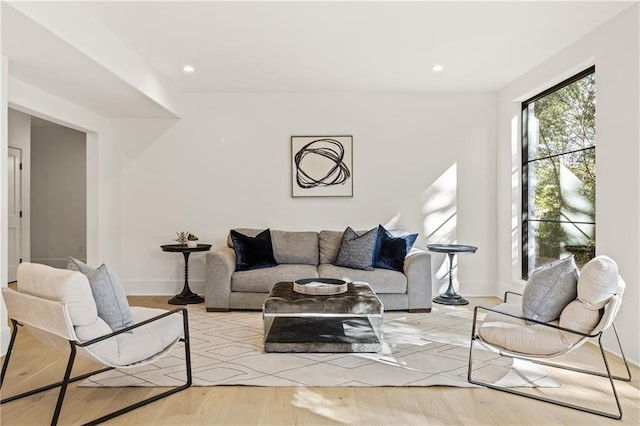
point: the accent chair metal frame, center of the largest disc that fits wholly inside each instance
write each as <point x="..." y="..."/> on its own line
<point x="72" y="355"/>
<point x="537" y="360"/>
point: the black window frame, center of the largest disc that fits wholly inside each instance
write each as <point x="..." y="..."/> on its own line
<point x="524" y="223"/>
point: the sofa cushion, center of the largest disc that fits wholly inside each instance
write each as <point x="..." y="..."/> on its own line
<point x="391" y="250"/>
<point x="549" y="289"/>
<point x="253" y="252"/>
<point x="329" y="242"/>
<point x="261" y="280"/>
<point x="380" y="280"/>
<point x="295" y="247"/>
<point x="108" y="293"/>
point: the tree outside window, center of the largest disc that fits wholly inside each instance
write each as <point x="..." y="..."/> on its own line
<point x="559" y="173"/>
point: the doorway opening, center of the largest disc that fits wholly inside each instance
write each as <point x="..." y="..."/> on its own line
<point x="53" y="194"/>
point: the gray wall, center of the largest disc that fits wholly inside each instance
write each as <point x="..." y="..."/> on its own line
<point x="58" y="194"/>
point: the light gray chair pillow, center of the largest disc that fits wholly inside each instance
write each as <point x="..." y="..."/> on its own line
<point x="550" y="289"/>
<point x="108" y="294"/>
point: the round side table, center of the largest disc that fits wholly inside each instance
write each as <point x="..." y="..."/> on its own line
<point x="450" y="297"/>
<point x="186" y="297"/>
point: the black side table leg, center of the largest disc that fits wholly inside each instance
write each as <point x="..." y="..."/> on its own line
<point x="450" y="297"/>
<point x="186" y="297"/>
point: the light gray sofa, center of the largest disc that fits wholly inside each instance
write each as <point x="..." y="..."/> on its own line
<point x="303" y="254"/>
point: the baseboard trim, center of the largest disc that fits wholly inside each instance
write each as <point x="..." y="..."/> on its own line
<point x="217" y="310"/>
<point x="502" y="287"/>
<point x="168" y="287"/>
<point x="467" y="288"/>
<point x="160" y="287"/>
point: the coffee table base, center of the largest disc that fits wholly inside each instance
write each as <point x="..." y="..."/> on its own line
<point x="321" y="334"/>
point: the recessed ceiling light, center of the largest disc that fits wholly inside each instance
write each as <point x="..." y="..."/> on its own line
<point x="188" y="68"/>
<point x="437" y="68"/>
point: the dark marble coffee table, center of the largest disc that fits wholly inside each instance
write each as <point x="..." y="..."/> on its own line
<point x="347" y="322"/>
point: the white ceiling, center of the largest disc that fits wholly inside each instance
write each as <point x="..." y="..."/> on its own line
<point x="305" y="46"/>
<point x="39" y="58"/>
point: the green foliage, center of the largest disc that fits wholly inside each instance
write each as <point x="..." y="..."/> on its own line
<point x="192" y="237"/>
<point x="564" y="122"/>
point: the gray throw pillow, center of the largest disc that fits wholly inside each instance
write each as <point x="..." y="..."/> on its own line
<point x="356" y="251"/>
<point x="550" y="289"/>
<point x="108" y="293"/>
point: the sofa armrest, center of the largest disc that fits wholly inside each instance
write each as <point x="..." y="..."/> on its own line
<point x="220" y="265"/>
<point x="417" y="268"/>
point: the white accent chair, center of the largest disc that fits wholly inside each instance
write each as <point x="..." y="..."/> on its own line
<point x="58" y="308"/>
<point x="505" y="330"/>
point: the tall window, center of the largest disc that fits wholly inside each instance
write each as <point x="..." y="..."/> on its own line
<point x="559" y="173"/>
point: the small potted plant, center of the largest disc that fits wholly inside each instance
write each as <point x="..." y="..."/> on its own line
<point x="192" y="241"/>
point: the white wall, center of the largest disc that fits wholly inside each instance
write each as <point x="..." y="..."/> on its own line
<point x="34" y="101"/>
<point x="435" y="158"/>
<point x="5" y="332"/>
<point x="19" y="128"/>
<point x="58" y="195"/>
<point x="226" y="163"/>
<point x="614" y="49"/>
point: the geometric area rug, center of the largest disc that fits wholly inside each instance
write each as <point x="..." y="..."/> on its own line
<point x="422" y="349"/>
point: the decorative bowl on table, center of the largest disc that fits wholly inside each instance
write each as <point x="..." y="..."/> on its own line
<point x="320" y="286"/>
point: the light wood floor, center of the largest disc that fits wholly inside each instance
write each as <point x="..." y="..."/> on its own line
<point x="33" y="365"/>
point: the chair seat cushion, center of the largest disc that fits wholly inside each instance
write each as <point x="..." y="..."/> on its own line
<point x="515" y="336"/>
<point x="140" y="345"/>
<point x="580" y="316"/>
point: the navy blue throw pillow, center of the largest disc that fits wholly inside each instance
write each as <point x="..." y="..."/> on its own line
<point x="391" y="250"/>
<point x="253" y="252"/>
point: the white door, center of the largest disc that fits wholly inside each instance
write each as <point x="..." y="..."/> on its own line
<point x="15" y="210"/>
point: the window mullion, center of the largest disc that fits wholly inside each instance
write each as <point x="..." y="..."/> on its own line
<point x="558" y="196"/>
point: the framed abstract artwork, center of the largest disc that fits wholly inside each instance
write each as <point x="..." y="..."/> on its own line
<point x="321" y="166"/>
